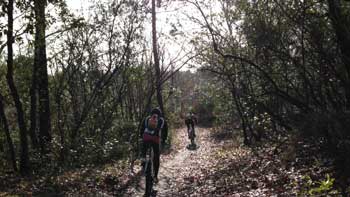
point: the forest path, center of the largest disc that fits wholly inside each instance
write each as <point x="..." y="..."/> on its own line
<point x="181" y="167"/>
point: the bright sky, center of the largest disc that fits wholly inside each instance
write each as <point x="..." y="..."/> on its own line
<point x="78" y="5"/>
<point x="168" y="17"/>
<point x="165" y="18"/>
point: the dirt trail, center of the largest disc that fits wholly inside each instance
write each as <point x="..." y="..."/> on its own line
<point x="181" y="167"/>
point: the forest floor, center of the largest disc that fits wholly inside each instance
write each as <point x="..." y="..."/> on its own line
<point x="182" y="169"/>
<point x="219" y="166"/>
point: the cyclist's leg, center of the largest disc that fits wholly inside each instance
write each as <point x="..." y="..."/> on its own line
<point x="194" y="133"/>
<point x="164" y="133"/>
<point x="144" y="149"/>
<point x="188" y="129"/>
<point x="145" y="145"/>
<point x="156" y="158"/>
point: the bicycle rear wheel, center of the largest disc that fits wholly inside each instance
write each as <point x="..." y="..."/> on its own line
<point x="192" y="141"/>
<point x="149" y="183"/>
<point x="149" y="173"/>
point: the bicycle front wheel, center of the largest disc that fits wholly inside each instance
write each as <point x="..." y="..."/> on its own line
<point x="149" y="180"/>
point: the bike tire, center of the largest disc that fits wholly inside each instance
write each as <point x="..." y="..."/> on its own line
<point x="149" y="177"/>
<point x="149" y="183"/>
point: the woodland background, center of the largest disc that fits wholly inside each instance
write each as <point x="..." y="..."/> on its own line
<point x="73" y="90"/>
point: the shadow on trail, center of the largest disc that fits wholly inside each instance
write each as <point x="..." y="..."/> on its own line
<point x="135" y="179"/>
<point x="178" y="165"/>
<point x="167" y="149"/>
<point x="242" y="171"/>
<point x="192" y="147"/>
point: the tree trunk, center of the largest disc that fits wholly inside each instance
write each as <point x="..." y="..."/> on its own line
<point x="341" y="24"/>
<point x="246" y="139"/>
<point x="24" y="158"/>
<point x="156" y="58"/>
<point x="33" y="108"/>
<point x="40" y="61"/>
<point x="3" y="119"/>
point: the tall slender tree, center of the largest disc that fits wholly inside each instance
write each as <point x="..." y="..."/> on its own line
<point x="3" y="121"/>
<point x="156" y="56"/>
<point x="340" y="22"/>
<point x="24" y="158"/>
<point x="40" y="65"/>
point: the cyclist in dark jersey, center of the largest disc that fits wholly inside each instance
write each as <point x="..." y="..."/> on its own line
<point x="190" y="121"/>
<point x="153" y="130"/>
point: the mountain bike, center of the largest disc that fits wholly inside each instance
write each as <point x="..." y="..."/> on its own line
<point x="149" y="172"/>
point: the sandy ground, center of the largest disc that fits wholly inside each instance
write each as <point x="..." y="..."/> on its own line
<point x="178" y="166"/>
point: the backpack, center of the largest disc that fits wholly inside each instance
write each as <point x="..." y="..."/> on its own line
<point x="152" y="122"/>
<point x="189" y="119"/>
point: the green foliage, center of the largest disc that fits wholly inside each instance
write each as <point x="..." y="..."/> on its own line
<point x="117" y="143"/>
<point x="97" y="93"/>
<point x="262" y="122"/>
<point x="175" y="120"/>
<point x="311" y="187"/>
<point x="3" y="71"/>
<point x="205" y="112"/>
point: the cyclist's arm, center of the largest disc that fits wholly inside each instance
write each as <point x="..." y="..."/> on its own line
<point x="195" y="120"/>
<point x="143" y="127"/>
<point x="164" y="130"/>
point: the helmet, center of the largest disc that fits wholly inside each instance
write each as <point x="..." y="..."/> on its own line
<point x="156" y="111"/>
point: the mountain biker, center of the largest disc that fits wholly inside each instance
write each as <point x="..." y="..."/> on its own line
<point x="190" y="121"/>
<point x="152" y="129"/>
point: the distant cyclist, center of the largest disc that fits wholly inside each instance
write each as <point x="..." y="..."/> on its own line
<point x="190" y="121"/>
<point x="153" y="128"/>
